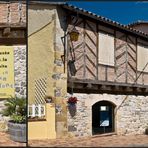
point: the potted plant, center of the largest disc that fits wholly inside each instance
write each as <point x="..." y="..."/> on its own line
<point x="49" y="99"/>
<point x="15" y="108"/>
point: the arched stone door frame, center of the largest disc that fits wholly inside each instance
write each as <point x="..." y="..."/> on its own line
<point x="93" y="99"/>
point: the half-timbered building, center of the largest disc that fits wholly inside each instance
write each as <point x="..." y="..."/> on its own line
<point x="106" y="69"/>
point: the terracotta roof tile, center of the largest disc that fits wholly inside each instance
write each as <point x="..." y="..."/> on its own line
<point x="104" y="19"/>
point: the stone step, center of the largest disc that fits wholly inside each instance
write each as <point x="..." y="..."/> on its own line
<point x="104" y="135"/>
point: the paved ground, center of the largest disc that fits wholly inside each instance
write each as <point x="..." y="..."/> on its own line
<point x="5" y="141"/>
<point x="97" y="141"/>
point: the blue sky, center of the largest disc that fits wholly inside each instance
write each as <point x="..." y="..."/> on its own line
<point x="123" y="12"/>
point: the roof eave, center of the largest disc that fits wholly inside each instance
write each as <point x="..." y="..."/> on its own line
<point x="47" y="2"/>
<point x="104" y="20"/>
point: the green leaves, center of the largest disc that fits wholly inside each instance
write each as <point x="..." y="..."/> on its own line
<point x="18" y="118"/>
<point x="16" y="109"/>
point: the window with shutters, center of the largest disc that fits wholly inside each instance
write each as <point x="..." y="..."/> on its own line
<point x="106" y="49"/>
<point x="142" y="55"/>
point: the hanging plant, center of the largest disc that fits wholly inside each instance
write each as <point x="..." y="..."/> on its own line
<point x="72" y="100"/>
<point x="72" y="105"/>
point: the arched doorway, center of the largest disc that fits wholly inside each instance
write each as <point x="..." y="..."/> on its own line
<point x="103" y="117"/>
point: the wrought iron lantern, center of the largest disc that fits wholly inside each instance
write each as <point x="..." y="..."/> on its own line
<point x="74" y="35"/>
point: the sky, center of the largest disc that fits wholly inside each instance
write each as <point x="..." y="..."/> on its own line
<point x="124" y="12"/>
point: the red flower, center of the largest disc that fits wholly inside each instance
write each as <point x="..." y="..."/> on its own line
<point x="72" y="100"/>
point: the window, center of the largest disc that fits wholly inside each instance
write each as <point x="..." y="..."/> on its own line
<point x="104" y="108"/>
<point x="142" y="55"/>
<point x="106" y="49"/>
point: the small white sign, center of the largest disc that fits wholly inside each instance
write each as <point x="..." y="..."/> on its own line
<point x="103" y="108"/>
<point x="105" y="123"/>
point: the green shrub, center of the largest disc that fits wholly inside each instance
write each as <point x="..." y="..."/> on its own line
<point x="15" y="108"/>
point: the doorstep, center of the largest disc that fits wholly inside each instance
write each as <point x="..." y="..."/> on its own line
<point x="105" y="134"/>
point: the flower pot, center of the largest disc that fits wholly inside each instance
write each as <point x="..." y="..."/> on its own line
<point x="72" y="109"/>
<point x="72" y="105"/>
<point x="17" y="131"/>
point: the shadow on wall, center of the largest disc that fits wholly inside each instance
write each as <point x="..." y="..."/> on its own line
<point x="146" y="131"/>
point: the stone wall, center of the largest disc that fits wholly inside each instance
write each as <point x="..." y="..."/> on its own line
<point x="130" y="118"/>
<point x="80" y="124"/>
<point x="20" y="71"/>
<point x="60" y="74"/>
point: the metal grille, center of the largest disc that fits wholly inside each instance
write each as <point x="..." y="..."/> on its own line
<point x="40" y="91"/>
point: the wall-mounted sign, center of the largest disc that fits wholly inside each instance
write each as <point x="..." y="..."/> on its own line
<point x="104" y="123"/>
<point x="6" y="72"/>
<point x="104" y="108"/>
<point x="104" y="116"/>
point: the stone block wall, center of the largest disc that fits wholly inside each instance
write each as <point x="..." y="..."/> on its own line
<point x="80" y="124"/>
<point x="133" y="115"/>
<point x="20" y="71"/>
<point x="130" y="118"/>
<point x="60" y="74"/>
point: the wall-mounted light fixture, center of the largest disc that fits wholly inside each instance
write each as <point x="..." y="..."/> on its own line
<point x="74" y="35"/>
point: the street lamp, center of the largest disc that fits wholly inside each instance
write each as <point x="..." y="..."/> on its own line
<point x="74" y="35"/>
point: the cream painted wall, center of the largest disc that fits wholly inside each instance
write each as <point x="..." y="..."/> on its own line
<point x="45" y="49"/>
<point x="40" y="49"/>
<point x="43" y="129"/>
<point x="39" y="16"/>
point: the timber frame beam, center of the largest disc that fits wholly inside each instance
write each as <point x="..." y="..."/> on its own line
<point x="90" y="86"/>
<point x="12" y="34"/>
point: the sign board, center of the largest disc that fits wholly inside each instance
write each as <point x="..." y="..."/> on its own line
<point x="103" y="108"/>
<point x="104" y="116"/>
<point x="105" y="123"/>
<point x="6" y="72"/>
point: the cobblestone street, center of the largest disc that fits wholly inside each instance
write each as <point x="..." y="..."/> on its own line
<point x="5" y="141"/>
<point x="97" y="141"/>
